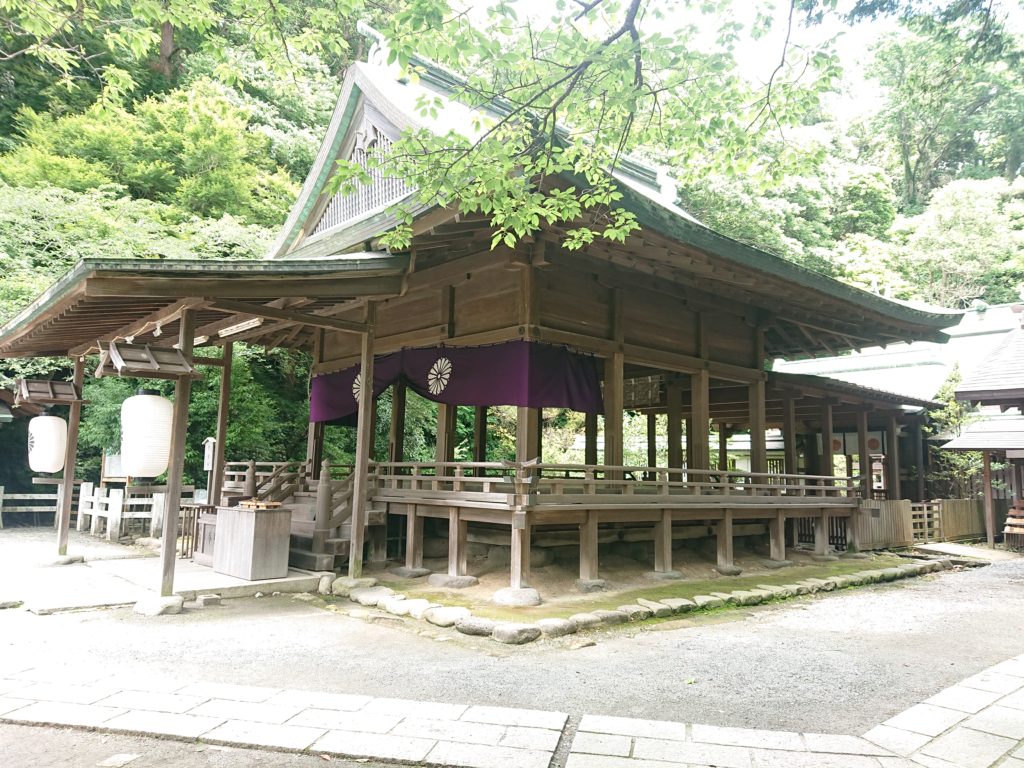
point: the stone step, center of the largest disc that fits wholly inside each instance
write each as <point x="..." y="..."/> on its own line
<point x="337" y="546"/>
<point x="298" y="558"/>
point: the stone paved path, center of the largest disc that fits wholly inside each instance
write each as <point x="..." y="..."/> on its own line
<point x="977" y="723"/>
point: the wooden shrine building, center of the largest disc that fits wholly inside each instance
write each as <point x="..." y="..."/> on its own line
<point x="677" y="320"/>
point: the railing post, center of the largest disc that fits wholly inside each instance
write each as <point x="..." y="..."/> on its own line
<point x="249" y="491"/>
<point x="324" y="509"/>
<point x="460" y="473"/>
<point x="1" y="507"/>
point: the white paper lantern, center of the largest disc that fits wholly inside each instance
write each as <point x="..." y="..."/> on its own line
<point x="47" y="443"/>
<point x="146" y="420"/>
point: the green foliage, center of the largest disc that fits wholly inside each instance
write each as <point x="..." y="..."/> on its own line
<point x="952" y="472"/>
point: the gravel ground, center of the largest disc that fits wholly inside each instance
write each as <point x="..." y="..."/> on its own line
<point x="838" y="663"/>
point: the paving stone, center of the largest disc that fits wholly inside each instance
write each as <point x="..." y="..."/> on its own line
<point x="1012" y="762"/>
<point x="529" y="718"/>
<point x="8" y="704"/>
<point x="780" y="593"/>
<point x="707" y="601"/>
<point x="483" y="756"/>
<point x="932" y="762"/>
<point x="444" y="581"/>
<point x="445" y="615"/>
<point x="1002" y="721"/>
<point x="408" y="708"/>
<point x="628" y="726"/>
<point x="612" y="617"/>
<point x="264" y="734"/>
<point x="343" y="702"/>
<point x="156" y="702"/>
<point x="6" y="686"/>
<point x="230" y="691"/>
<point x="405" y="572"/>
<point x="635" y="612"/>
<point x="896" y="739"/>
<point x="335" y="720"/>
<point x="660" y="610"/>
<point x="772" y="758"/>
<point x="68" y="694"/>
<point x="602" y="744"/>
<point x="117" y="761"/>
<point x="996" y="683"/>
<point x="368" y="597"/>
<point x="824" y="585"/>
<point x="474" y="625"/>
<point x="204" y="601"/>
<point x="608" y="761"/>
<point x="450" y="730"/>
<point x="968" y="748"/>
<point x="896" y="762"/>
<point x="516" y="598"/>
<point x="530" y="738"/>
<point x="810" y="586"/>
<point x="324" y="587"/>
<point x="155" y="605"/>
<point x="845" y="745"/>
<point x="516" y="634"/>
<point x="562" y="627"/>
<point x="891" y="574"/>
<point x="963" y="699"/>
<point x="343" y="587"/>
<point x="416" y="608"/>
<point x="688" y="753"/>
<point x="587" y="586"/>
<point x="61" y="713"/>
<point x="926" y="718"/>
<point x="387" y="603"/>
<point x="585" y="620"/>
<point x="383" y="746"/>
<point x="679" y="604"/>
<point x="745" y="597"/>
<point x="163" y="724"/>
<point x="246" y="710"/>
<point x="729" y="598"/>
<point x="1013" y="667"/>
<point x="764" y="594"/>
<point x="747" y="737"/>
<point x="798" y="589"/>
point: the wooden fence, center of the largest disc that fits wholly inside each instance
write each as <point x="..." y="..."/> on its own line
<point x="885" y="524"/>
<point x="115" y="512"/>
<point x="36" y="509"/>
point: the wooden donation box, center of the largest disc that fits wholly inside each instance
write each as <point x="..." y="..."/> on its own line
<point x="252" y="543"/>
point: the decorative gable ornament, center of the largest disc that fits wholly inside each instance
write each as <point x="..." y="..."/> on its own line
<point x="144" y="362"/>
<point x="46" y="392"/>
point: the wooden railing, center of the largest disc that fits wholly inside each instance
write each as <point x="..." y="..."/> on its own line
<point x="493" y="482"/>
<point x="111" y="511"/>
<point x="926" y="521"/>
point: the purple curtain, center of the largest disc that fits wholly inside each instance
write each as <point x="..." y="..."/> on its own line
<point x="522" y="373"/>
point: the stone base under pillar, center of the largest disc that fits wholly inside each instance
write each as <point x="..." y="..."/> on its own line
<point x="775" y="564"/>
<point x="729" y="570"/>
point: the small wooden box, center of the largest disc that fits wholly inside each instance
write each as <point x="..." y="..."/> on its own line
<point x="252" y="544"/>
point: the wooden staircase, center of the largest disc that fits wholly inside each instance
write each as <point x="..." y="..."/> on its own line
<point x="321" y="529"/>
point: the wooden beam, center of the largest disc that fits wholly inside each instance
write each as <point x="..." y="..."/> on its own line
<point x="479" y="433"/>
<point x="164" y="316"/>
<point x="789" y="435"/>
<point x="674" y="395"/>
<point x="70" y="457"/>
<point x="527" y="432"/>
<point x="990" y="515"/>
<point x="701" y="416"/>
<point x="723" y="447"/>
<point x="396" y="440"/>
<point x="827" y="452"/>
<point x="315" y="430"/>
<point x="864" y="454"/>
<point x="590" y="439"/>
<point x="245" y="288"/>
<point x="613" y="410"/>
<point x="176" y="466"/>
<point x="892" y="459"/>
<point x="223" y="409"/>
<point x="288" y="315"/>
<point x="364" y="438"/>
<point x="652" y="439"/>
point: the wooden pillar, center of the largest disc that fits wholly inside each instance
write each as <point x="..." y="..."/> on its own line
<point x="827" y="452"/>
<point x="176" y="464"/>
<point x="457" y="532"/>
<point x="444" y="450"/>
<point x="613" y="403"/>
<point x="588" y="546"/>
<point x="821" y="545"/>
<point x="789" y="435"/>
<point x="539" y="448"/>
<point x="663" y="543"/>
<point x="652" y="440"/>
<point x="480" y="433"/>
<point x="777" y="536"/>
<point x="520" y="566"/>
<point x="758" y="449"/>
<point x="864" y="454"/>
<point x="723" y="447"/>
<point x="364" y="437"/>
<point x="527" y="430"/>
<point x="688" y="429"/>
<point x="590" y="439"/>
<point x="724" y="536"/>
<point x="919" y="460"/>
<point x="223" y="409"/>
<point x="396" y="439"/>
<point x="892" y="460"/>
<point x="700" y="410"/>
<point x="674" y="394"/>
<point x="67" y="486"/>
<point x="413" y="539"/>
<point x="315" y="432"/>
<point x="990" y="512"/>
